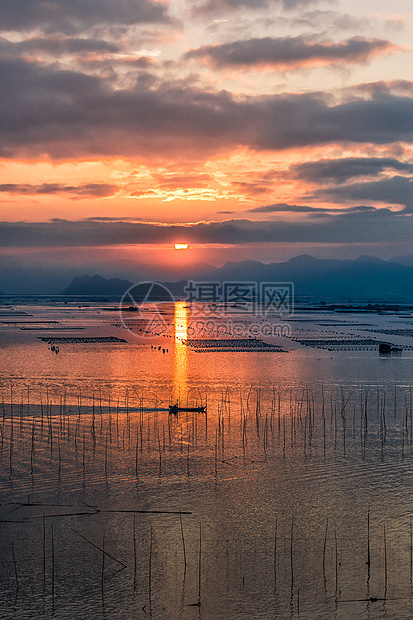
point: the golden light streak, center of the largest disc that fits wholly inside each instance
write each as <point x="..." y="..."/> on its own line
<point x="180" y="351"/>
<point x="181" y="246"/>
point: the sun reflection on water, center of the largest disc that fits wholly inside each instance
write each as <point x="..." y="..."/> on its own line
<point x="180" y="387"/>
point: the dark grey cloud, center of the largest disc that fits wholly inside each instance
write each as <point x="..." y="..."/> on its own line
<point x="104" y="219"/>
<point x="108" y="64"/>
<point x="382" y="88"/>
<point x="56" y="45"/>
<point x="67" y="114"/>
<point x="349" y="227"/>
<point x="72" y="16"/>
<point x="308" y="119"/>
<point x="85" y="190"/>
<point x="289" y="51"/>
<point x="341" y="170"/>
<point x="282" y="207"/>
<point x="222" y="6"/>
<point x="397" y="190"/>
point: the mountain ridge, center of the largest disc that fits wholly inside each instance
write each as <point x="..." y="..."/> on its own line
<point x="96" y="285"/>
<point x="365" y="277"/>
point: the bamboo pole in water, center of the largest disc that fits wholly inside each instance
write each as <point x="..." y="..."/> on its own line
<point x="183" y="542"/>
<point x="324" y="553"/>
<point x="44" y="554"/>
<point x="137" y="452"/>
<point x="16" y="576"/>
<point x="11" y="439"/>
<point x="275" y="553"/>
<point x="135" y="559"/>
<point x="160" y="455"/>
<point x="291" y="553"/>
<point x="368" y="545"/>
<point x="385" y="561"/>
<point x="336" y="582"/>
<point x="200" y="564"/>
<point x="53" y="568"/>
<point x="106" y="457"/>
<point x="411" y="553"/>
<point x="150" y="572"/>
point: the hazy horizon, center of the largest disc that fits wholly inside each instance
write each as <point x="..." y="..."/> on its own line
<point x="24" y="277"/>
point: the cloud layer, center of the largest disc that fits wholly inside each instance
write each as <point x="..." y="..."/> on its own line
<point x="287" y="52"/>
<point x="68" y="114"/>
<point x="75" y="16"/>
<point x="222" y="6"/>
<point x="83" y="190"/>
<point x="396" y="190"/>
<point x="355" y="226"/>
<point x="341" y="170"/>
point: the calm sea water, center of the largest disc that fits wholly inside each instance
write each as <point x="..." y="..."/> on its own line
<point x="289" y="498"/>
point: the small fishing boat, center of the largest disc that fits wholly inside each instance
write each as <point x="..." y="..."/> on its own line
<point x="176" y="408"/>
<point x="386" y="347"/>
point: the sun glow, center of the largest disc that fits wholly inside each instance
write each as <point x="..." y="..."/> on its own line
<point x="181" y="246"/>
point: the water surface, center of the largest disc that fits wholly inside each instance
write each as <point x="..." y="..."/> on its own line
<point x="290" y="497"/>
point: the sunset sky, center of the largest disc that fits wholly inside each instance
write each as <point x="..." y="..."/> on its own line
<point x="249" y="129"/>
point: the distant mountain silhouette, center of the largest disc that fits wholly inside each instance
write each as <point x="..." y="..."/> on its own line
<point x="368" y="258"/>
<point x="365" y="278"/>
<point x="403" y="260"/>
<point x="96" y="285"/>
<point x="124" y="269"/>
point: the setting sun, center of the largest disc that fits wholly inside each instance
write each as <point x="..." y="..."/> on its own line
<point x="181" y="246"/>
